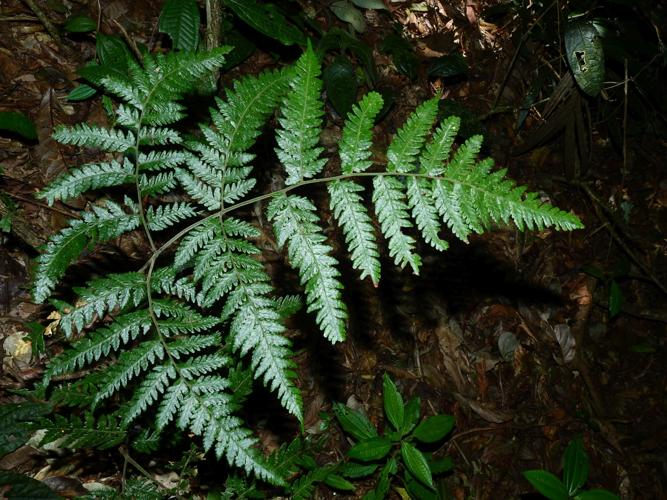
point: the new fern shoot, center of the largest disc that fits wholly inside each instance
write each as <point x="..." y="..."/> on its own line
<point x="177" y="342"/>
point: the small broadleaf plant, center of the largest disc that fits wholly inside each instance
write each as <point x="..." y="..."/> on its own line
<point x="177" y="342"/>
<point x="397" y="447"/>
<point x="575" y="475"/>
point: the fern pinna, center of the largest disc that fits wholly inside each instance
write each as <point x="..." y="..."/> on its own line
<point x="178" y="335"/>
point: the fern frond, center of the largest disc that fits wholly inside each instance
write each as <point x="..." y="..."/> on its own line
<point x="148" y="392"/>
<point x="160" y="160"/>
<point x="158" y="136"/>
<point x="405" y="147"/>
<point x="357" y="139"/>
<point x="100" y="343"/>
<point x="95" y="137"/>
<point x="204" y="193"/>
<point x="424" y="212"/>
<point x="294" y="222"/>
<point x="75" y="433"/>
<point x="348" y="209"/>
<point x="157" y="184"/>
<point x="165" y="216"/>
<point x="196" y="239"/>
<point x="301" y="120"/>
<point x="392" y="212"/>
<point x="101" y="224"/>
<point x="129" y="365"/>
<point x="241" y="116"/>
<point x="87" y="177"/>
<point x="439" y="147"/>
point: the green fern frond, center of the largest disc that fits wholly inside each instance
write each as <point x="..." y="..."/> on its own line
<point x="129" y="365"/>
<point x="405" y="147"/>
<point x="439" y="147"/>
<point x="165" y="216"/>
<point x="196" y="239"/>
<point x="392" y="212"/>
<point x="157" y="184"/>
<point x="160" y="160"/>
<point x="425" y="213"/>
<point x="103" y="433"/>
<point x="294" y="222"/>
<point x="357" y="139"/>
<point x="158" y="136"/>
<point x="101" y="224"/>
<point x="241" y="116"/>
<point x="87" y="177"/>
<point x="348" y="209"/>
<point x="301" y="120"/>
<point x="148" y="392"/>
<point x="100" y="343"/>
<point x="95" y="137"/>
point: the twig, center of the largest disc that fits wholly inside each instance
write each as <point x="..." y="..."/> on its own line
<point x="50" y="28"/>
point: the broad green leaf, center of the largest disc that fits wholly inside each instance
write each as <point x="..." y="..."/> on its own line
<point x="575" y="466"/>
<point x="417" y="489"/>
<point x="384" y="480"/>
<point x="81" y="93"/>
<point x="354" y="470"/>
<point x="547" y="484"/>
<point x="17" y="122"/>
<point x="80" y="24"/>
<point x="267" y="19"/>
<point x="338" y="483"/>
<point x="180" y="20"/>
<point x="112" y="52"/>
<point x="411" y="415"/>
<point x="393" y="403"/>
<point x="340" y="82"/>
<point x="416" y="463"/>
<point x="17" y="424"/>
<point x="370" y="4"/>
<point x="585" y="56"/>
<point x="354" y="422"/>
<point x="434" y="428"/>
<point x="596" y="494"/>
<point x="370" y="450"/>
<point x="346" y="11"/>
<point x="615" y="298"/>
<point x="441" y="465"/>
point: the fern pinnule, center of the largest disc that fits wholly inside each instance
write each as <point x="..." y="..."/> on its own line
<point x="300" y="121"/>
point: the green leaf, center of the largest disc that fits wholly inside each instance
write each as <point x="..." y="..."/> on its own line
<point x="393" y="403"/>
<point x="347" y="12"/>
<point x="180" y="20"/>
<point x="17" y="486"/>
<point x="338" y="483"/>
<point x="585" y="55"/>
<point x="411" y="415"/>
<point x="596" y="494"/>
<point x="416" y="463"/>
<point x="448" y="66"/>
<point x="575" y="466"/>
<point x="370" y="450"/>
<point x="615" y="299"/>
<point x="355" y="471"/>
<point x="268" y="20"/>
<point x="417" y="489"/>
<point x="354" y="422"/>
<point x="547" y="484"/>
<point x="441" y="465"/>
<point x="17" y="424"/>
<point x="80" y="24"/>
<point x="81" y="93"/>
<point x="17" y="122"/>
<point x="434" y="428"/>
<point x="370" y="4"/>
<point x="384" y="480"/>
<point x="340" y="82"/>
<point x="112" y="52"/>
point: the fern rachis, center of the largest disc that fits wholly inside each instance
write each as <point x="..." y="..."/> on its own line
<point x="178" y="332"/>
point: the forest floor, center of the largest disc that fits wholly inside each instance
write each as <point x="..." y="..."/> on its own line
<point x="511" y="333"/>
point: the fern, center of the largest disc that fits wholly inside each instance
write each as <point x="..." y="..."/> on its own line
<point x="179" y="345"/>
